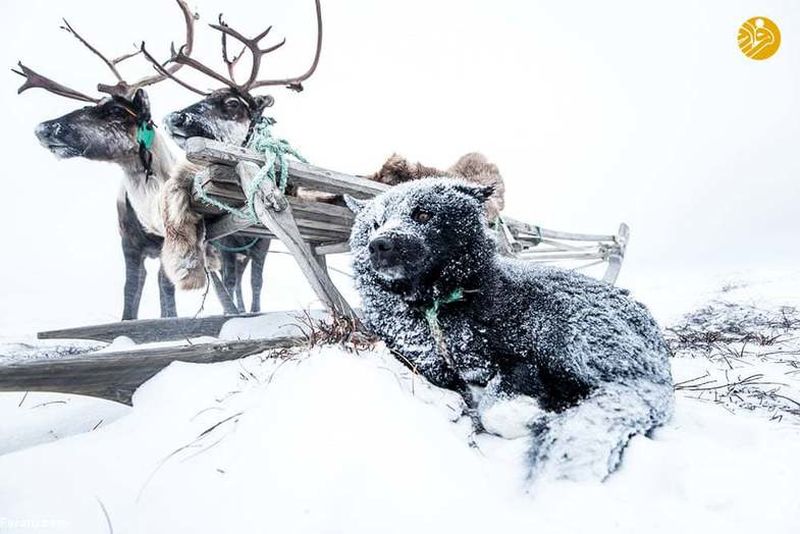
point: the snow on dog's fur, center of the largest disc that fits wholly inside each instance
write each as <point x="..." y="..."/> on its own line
<point x="584" y="352"/>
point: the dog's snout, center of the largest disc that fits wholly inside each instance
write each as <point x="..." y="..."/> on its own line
<point x="380" y="245"/>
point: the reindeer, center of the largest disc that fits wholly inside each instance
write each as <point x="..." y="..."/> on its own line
<point x="118" y="128"/>
<point x="229" y="114"/>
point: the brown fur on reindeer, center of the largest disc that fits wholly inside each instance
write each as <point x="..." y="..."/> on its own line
<point x="473" y="167"/>
<point x="184" y="254"/>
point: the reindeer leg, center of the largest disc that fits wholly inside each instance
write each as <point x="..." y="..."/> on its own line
<point x="228" y="306"/>
<point x="259" y="255"/>
<point x="229" y="269"/>
<point x="241" y="265"/>
<point x="166" y="295"/>
<point x="134" y="280"/>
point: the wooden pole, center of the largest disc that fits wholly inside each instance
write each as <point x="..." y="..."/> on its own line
<point x="116" y="375"/>
<point x="274" y="212"/>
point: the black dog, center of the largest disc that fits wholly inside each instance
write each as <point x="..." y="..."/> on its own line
<point x="434" y="288"/>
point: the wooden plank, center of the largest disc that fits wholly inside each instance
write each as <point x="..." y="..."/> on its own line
<point x="537" y="231"/>
<point x="332" y="248"/>
<point x="307" y="214"/>
<point x="275" y="213"/>
<point x="148" y="330"/>
<point x="116" y="375"/>
<point x="228" y="224"/>
<point x="309" y="209"/>
<point x="200" y="150"/>
<point x="617" y="254"/>
<point x="303" y="209"/>
<point x="533" y="255"/>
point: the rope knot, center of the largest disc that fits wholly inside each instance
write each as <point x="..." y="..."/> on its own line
<point x="276" y="152"/>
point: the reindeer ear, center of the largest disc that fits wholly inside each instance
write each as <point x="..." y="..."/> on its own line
<point x="354" y="204"/>
<point x="141" y="103"/>
<point x="480" y="192"/>
<point x="263" y="102"/>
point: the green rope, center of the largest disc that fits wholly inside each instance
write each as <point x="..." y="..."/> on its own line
<point x="432" y="316"/>
<point x="224" y="248"/>
<point x="276" y="152"/>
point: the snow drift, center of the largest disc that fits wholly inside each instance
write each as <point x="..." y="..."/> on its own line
<point x="330" y="441"/>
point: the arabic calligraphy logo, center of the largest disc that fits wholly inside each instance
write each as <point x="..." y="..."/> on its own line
<point x="759" y="38"/>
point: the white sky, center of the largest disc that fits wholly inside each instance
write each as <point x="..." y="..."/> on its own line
<point x="595" y="112"/>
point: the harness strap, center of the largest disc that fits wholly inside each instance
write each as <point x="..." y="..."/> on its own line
<point x="276" y="152"/>
<point x="224" y="248"/>
<point x="432" y="316"/>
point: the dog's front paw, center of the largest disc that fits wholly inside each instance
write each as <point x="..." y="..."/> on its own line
<point x="510" y="417"/>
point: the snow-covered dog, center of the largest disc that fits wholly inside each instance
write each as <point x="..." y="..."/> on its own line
<point x="587" y="361"/>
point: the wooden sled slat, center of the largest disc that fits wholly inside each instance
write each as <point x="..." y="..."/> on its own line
<point x="149" y="330"/>
<point x="200" y="150"/>
<point x="116" y="375"/>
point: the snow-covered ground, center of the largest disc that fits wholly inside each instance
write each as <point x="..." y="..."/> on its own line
<point x="334" y="441"/>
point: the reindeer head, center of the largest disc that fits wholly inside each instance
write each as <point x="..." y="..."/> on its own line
<point x="229" y="114"/>
<point x="117" y="127"/>
<point x="105" y="131"/>
<point x="223" y="116"/>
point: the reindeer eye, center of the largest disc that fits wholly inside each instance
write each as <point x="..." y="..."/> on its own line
<point x="421" y="216"/>
<point x="118" y="112"/>
<point x="233" y="104"/>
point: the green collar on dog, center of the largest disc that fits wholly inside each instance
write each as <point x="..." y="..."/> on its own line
<point x="432" y="315"/>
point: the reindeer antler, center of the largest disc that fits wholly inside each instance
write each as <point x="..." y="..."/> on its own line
<point x="230" y="62"/>
<point x="255" y="50"/>
<point x="112" y="65"/>
<point x="122" y="88"/>
<point x="163" y="70"/>
<point x="34" y="80"/>
<point x="294" y="82"/>
<point x="254" y="46"/>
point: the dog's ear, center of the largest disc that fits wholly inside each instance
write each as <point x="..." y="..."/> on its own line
<point x="355" y="204"/>
<point x="479" y="192"/>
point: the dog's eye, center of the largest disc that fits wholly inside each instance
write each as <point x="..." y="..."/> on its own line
<point x="376" y="225"/>
<point x="421" y="216"/>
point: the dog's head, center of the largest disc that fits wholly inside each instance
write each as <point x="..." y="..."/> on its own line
<point x="422" y="234"/>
